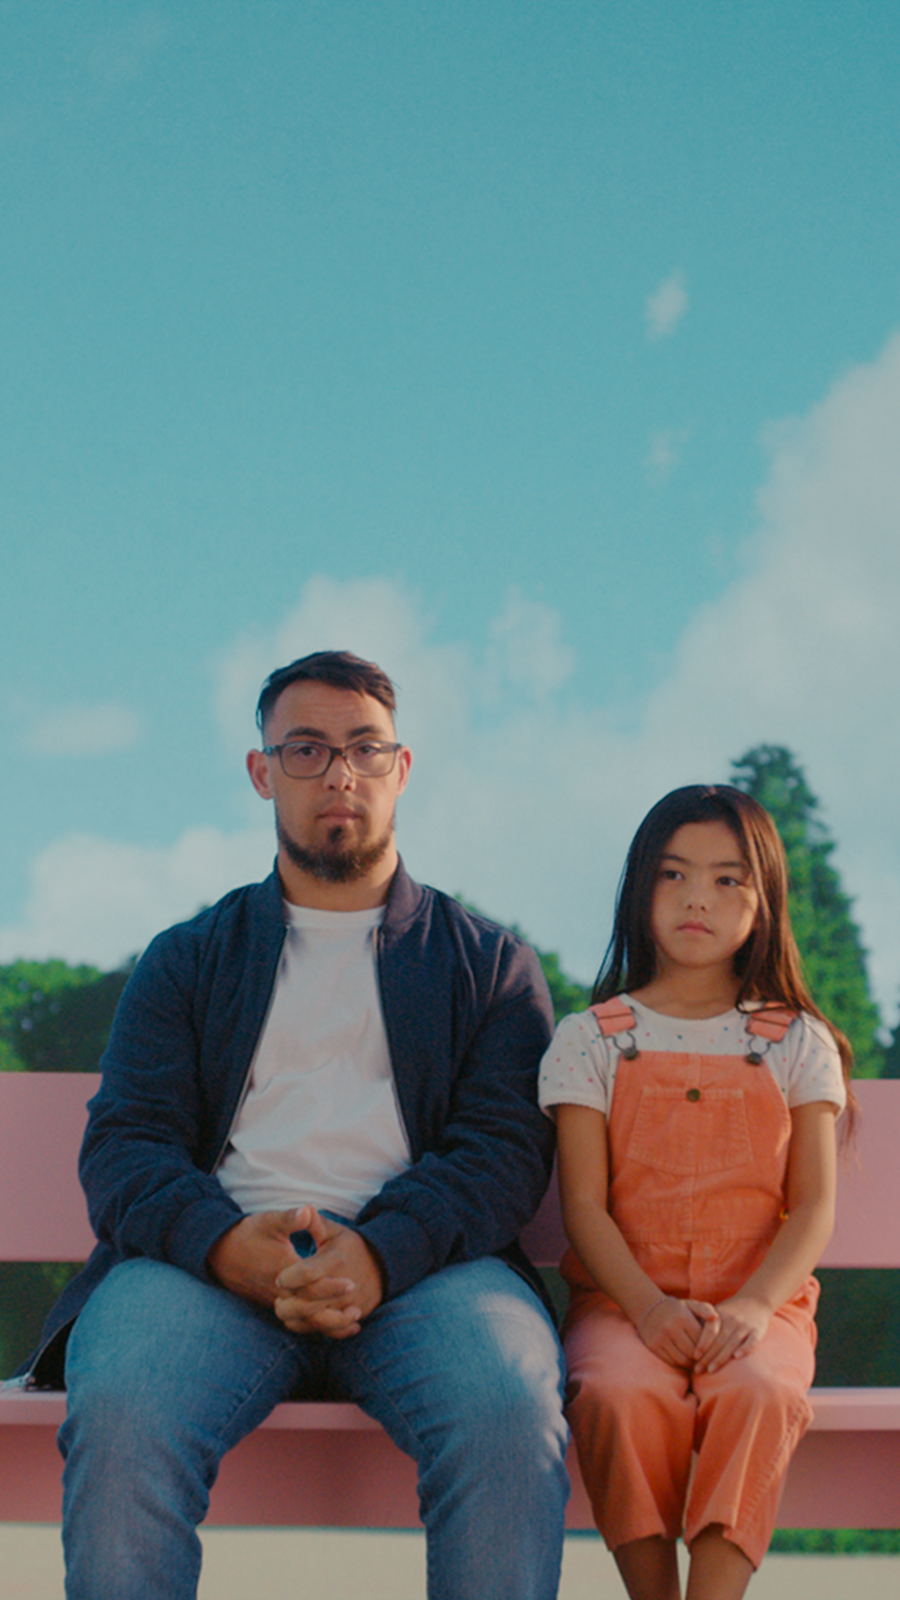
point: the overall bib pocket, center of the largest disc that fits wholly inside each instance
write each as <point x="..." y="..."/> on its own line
<point x="690" y="1130"/>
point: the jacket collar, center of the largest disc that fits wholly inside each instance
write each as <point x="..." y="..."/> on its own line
<point x="404" y="899"/>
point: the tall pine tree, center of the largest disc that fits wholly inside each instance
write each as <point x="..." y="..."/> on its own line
<point x="829" y="942"/>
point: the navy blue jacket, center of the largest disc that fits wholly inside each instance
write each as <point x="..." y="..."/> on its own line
<point x="468" y="1017"/>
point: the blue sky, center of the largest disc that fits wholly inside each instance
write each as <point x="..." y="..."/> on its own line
<point x="548" y="352"/>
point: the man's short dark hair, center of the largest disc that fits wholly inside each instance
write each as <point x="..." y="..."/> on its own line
<point x="338" y="668"/>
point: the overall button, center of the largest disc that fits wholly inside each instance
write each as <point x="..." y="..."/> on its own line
<point x="693" y="1094"/>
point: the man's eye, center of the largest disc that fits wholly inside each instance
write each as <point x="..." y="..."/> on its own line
<point x="305" y="752"/>
<point x="367" y="748"/>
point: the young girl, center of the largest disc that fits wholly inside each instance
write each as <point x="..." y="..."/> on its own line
<point x="696" y="1104"/>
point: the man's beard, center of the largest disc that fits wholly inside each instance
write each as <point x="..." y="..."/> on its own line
<point x="329" y="863"/>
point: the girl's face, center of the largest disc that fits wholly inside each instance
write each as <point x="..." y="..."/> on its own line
<point x="704" y="902"/>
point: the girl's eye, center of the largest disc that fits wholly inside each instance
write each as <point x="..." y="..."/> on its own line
<point x="671" y="874"/>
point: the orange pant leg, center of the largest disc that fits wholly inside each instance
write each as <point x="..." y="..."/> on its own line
<point x="751" y="1415"/>
<point x="633" y="1419"/>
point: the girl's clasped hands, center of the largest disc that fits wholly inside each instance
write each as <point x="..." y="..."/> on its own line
<point x="700" y="1336"/>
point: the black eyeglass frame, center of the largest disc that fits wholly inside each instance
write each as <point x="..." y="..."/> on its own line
<point x="344" y="751"/>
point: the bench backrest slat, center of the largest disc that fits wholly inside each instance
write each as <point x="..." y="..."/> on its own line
<point x="867" y="1233"/>
<point x="43" y="1215"/>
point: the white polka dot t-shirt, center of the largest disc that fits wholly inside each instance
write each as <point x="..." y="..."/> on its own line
<point x="579" y="1068"/>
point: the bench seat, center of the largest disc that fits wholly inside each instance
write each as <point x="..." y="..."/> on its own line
<point x="321" y="1464"/>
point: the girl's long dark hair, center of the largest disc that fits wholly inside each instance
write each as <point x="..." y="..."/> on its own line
<point x="768" y="965"/>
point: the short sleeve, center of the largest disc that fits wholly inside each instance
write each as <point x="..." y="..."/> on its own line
<point x="576" y="1068"/>
<point x="813" y="1063"/>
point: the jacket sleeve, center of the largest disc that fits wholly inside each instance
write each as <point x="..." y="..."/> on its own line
<point x="149" y="1132"/>
<point x="484" y="1169"/>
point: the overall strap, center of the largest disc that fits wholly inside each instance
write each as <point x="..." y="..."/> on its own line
<point x="613" y="1016"/>
<point x="771" y="1022"/>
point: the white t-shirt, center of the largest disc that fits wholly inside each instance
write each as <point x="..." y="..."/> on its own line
<point x="579" y="1066"/>
<point x="320" y="1122"/>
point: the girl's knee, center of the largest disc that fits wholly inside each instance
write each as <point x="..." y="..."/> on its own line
<point x="610" y="1427"/>
<point x="754" y="1386"/>
<point x="630" y="1406"/>
<point x="763" y="1405"/>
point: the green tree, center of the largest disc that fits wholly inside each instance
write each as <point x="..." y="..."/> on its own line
<point x="829" y="941"/>
<point x="28" y="1290"/>
<point x="565" y="992"/>
<point x="53" y="1018"/>
<point x="25" y="986"/>
<point x="56" y="1018"/>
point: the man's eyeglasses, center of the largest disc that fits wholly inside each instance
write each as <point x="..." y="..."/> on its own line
<point x="306" y="758"/>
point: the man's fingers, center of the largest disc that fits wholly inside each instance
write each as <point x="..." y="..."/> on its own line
<point x="299" y="1218"/>
<point x="314" y="1290"/>
<point x="301" y="1317"/>
<point x="318" y="1227"/>
<point x="279" y="1224"/>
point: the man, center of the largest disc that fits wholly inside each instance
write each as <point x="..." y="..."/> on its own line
<point x="314" y="1145"/>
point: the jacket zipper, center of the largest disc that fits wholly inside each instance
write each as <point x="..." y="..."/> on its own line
<point x="378" y="939"/>
<point x="245" y="1088"/>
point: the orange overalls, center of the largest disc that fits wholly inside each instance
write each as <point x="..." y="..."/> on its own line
<point x="698" y="1149"/>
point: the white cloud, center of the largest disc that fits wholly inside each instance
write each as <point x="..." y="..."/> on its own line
<point x="526" y="801"/>
<point x="804" y="651"/>
<point x="97" y="901"/>
<point x="525" y="650"/>
<point x="375" y="618"/>
<point x="666" y="306"/>
<point x="83" y="730"/>
<point x="664" y="452"/>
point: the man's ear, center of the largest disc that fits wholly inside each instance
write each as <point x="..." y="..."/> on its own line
<point x="258" y="768"/>
<point x="404" y="762"/>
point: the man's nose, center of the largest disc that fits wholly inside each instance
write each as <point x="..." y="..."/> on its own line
<point x="340" y="774"/>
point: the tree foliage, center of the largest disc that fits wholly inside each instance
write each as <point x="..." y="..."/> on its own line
<point x="28" y="1290"/>
<point x="828" y="939"/>
<point x="567" y="994"/>
<point x="55" y="1018"/>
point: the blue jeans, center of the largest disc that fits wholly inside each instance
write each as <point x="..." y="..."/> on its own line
<point x="166" y="1373"/>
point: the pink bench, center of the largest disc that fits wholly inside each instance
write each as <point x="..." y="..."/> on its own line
<point x="317" y="1464"/>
